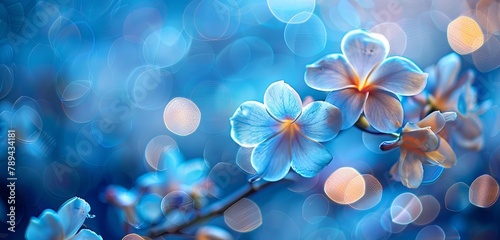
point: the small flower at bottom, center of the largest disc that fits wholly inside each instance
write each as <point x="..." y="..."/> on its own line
<point x="284" y="134"/>
<point x="420" y="144"/>
<point x="62" y="225"/>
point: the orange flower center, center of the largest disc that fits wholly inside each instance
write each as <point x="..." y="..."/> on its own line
<point x="289" y="127"/>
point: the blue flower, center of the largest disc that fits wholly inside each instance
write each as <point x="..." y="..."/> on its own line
<point x="284" y="134"/>
<point x="62" y="225"/>
<point x="363" y="80"/>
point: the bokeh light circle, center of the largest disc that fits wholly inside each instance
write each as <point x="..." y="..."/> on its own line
<point x="395" y="35"/>
<point x="457" y="197"/>
<point x="181" y="116"/>
<point x="465" y="35"/>
<point x="432" y="232"/>
<point x="287" y="11"/>
<point x="165" y="47"/>
<point x="243" y="216"/>
<point x="345" y="186"/>
<point x="405" y="208"/>
<point x="132" y="236"/>
<point x="373" y="193"/>
<point x="177" y="206"/>
<point x="160" y="152"/>
<point x="306" y="39"/>
<point x="6" y="80"/>
<point x="315" y="208"/>
<point x="430" y="210"/>
<point x="483" y="191"/>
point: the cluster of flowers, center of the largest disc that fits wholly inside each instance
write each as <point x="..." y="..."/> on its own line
<point x="388" y="95"/>
<point x="427" y="111"/>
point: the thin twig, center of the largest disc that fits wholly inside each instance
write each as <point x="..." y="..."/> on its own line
<point x="213" y="210"/>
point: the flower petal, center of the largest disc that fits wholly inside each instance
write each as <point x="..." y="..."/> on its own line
<point x="383" y="111"/>
<point x="251" y="124"/>
<point x="272" y="158"/>
<point x="364" y="51"/>
<point x="86" y="234"/>
<point x="350" y="102"/>
<point x="398" y="75"/>
<point x="48" y="226"/>
<point x="395" y="170"/>
<point x="72" y="214"/>
<point x="282" y="101"/>
<point x="448" y="153"/>
<point x="308" y="157"/>
<point x="447" y="70"/>
<point x="423" y="139"/>
<point x="435" y="121"/>
<point x="320" y="121"/>
<point x="330" y="73"/>
<point x="469" y="132"/>
<point x="411" y="171"/>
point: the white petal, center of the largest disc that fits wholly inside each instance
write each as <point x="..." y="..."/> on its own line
<point x="272" y="158"/>
<point x="450" y="159"/>
<point x="435" y="121"/>
<point x="423" y="139"/>
<point x="383" y="111"/>
<point x="308" y="157"/>
<point x="411" y="171"/>
<point x="320" y="121"/>
<point x="47" y="227"/>
<point x="350" y="102"/>
<point x="72" y="214"/>
<point x="282" y="101"/>
<point x="364" y="51"/>
<point x="251" y="124"/>
<point x="398" y="75"/>
<point x="330" y="73"/>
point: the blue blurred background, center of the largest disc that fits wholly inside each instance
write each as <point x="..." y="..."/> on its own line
<point x="85" y="84"/>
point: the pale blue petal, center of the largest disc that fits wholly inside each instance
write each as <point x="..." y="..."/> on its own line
<point x="308" y="157"/>
<point x="320" y="121"/>
<point x="272" y="158"/>
<point x="398" y="75"/>
<point x="364" y="51"/>
<point x="350" y="102"/>
<point x="384" y="111"/>
<point x="447" y="69"/>
<point x="251" y="124"/>
<point x="191" y="172"/>
<point x="282" y="101"/>
<point x="330" y="73"/>
<point x="86" y="234"/>
<point x="47" y="227"/>
<point x="72" y="214"/>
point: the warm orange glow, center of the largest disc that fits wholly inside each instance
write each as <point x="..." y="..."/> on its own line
<point x="345" y="186"/>
<point x="465" y="35"/>
<point x="289" y="127"/>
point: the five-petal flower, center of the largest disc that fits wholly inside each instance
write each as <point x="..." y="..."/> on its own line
<point x="364" y="80"/>
<point x="62" y="225"/>
<point x="420" y="144"/>
<point x="284" y="134"/>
